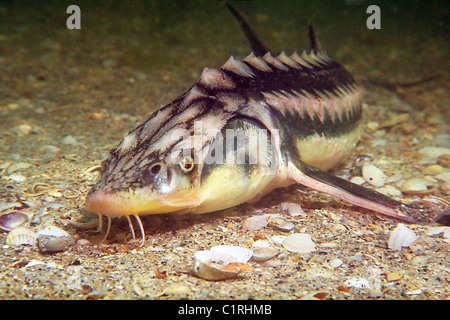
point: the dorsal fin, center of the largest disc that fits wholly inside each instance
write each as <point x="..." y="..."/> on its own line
<point x="314" y="42"/>
<point x="257" y="46"/>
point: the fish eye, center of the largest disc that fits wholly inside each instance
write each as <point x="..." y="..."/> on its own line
<point x="187" y="164"/>
<point x="154" y="169"/>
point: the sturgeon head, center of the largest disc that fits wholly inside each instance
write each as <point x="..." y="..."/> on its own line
<point x="196" y="154"/>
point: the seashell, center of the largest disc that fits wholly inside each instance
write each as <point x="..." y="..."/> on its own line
<point x="69" y="140"/>
<point x="444" y="160"/>
<point x="373" y="175"/>
<point x="293" y="209"/>
<point x="264" y="254"/>
<point x="445" y="176"/>
<point x="433" y="170"/>
<point x="286" y="226"/>
<point x="299" y="243"/>
<point x="22" y="129"/>
<point x="358" y="180"/>
<point x="256" y="222"/>
<point x="390" y="191"/>
<point x="443" y="218"/>
<point x="272" y="263"/>
<point x="418" y="186"/>
<point x="17" y="166"/>
<point x="278" y="240"/>
<point x="21" y="236"/>
<point x="53" y="238"/>
<point x="14" y="219"/>
<point x="261" y="244"/>
<point x="445" y="231"/>
<point x="400" y="237"/>
<point x="209" y="265"/>
<point x="279" y="223"/>
<point x="221" y="262"/>
<point x="17" y="177"/>
<point x="239" y="254"/>
<point x="434" y="152"/>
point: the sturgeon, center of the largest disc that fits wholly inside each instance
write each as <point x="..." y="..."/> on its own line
<point x="239" y="132"/>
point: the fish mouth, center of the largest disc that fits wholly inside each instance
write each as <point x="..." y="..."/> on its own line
<point x="118" y="204"/>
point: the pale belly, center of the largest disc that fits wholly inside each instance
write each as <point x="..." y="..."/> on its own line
<point x="326" y="153"/>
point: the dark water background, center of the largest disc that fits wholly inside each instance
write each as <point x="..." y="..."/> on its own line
<point x="154" y="34"/>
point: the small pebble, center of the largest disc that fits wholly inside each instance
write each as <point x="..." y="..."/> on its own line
<point x="22" y="129"/>
<point x="393" y="276"/>
<point x="17" y="177"/>
<point x="335" y="263"/>
<point x="83" y="242"/>
<point x="373" y="126"/>
<point x="48" y="149"/>
<point x="414" y="292"/>
<point x="69" y="140"/>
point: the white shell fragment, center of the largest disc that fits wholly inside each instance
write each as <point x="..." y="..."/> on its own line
<point x="53" y="238"/>
<point x="279" y="223"/>
<point x="21" y="236"/>
<point x="13" y="219"/>
<point x="239" y="254"/>
<point x="293" y="209"/>
<point x="264" y="254"/>
<point x="357" y="282"/>
<point x="390" y="191"/>
<point x="299" y="243"/>
<point x="434" y="152"/>
<point x="418" y="186"/>
<point x="214" y="264"/>
<point x="373" y="175"/>
<point x="445" y="231"/>
<point x="400" y="237"/>
<point x="256" y="222"/>
<point x="286" y="226"/>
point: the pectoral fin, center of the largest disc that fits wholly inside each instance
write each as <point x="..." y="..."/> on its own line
<point x="355" y="194"/>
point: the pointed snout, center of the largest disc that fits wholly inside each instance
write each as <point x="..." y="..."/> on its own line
<point x="139" y="202"/>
